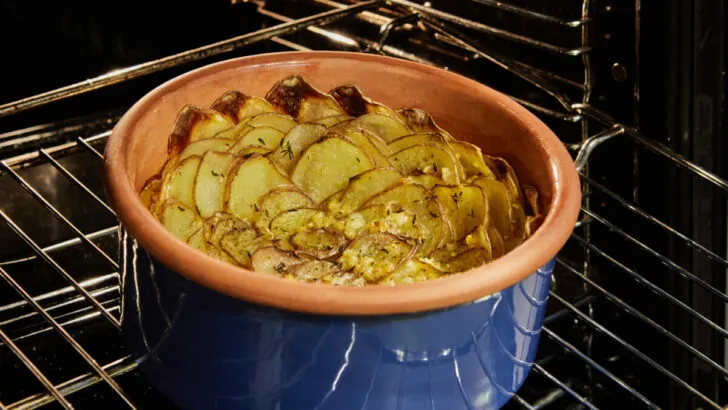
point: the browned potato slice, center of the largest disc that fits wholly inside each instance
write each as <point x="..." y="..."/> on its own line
<point x="367" y="141"/>
<point x="267" y="137"/>
<point x="210" y="182"/>
<point x="302" y="101"/>
<point x="274" y="261"/>
<point x="277" y="201"/>
<point x="194" y="124"/>
<point x="426" y="180"/>
<point x="179" y="219"/>
<point x="412" y="271"/>
<point x="280" y="122"/>
<point x="374" y="256"/>
<point x="325" y="272"/>
<point x="289" y="222"/>
<point x="233" y="133"/>
<point x="216" y="226"/>
<point x="465" y="206"/>
<point x="295" y="142"/>
<point x="471" y="158"/>
<point x="326" y="166"/>
<point x="330" y="121"/>
<point x="319" y="243"/>
<point x="150" y="193"/>
<point x="499" y="203"/>
<point x="505" y="174"/>
<point x="248" y="181"/>
<point x="239" y="244"/>
<point x="420" y="121"/>
<point x="180" y="182"/>
<point x="416" y="139"/>
<point x="385" y="127"/>
<point x="472" y="258"/>
<point x="354" y="103"/>
<point x="237" y="105"/>
<point x="365" y="185"/>
<point x="200" y="147"/>
<point x="428" y="159"/>
<point x="428" y="217"/>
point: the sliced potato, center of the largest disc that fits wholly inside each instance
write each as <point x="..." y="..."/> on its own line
<point x="499" y="203"/>
<point x="280" y="122"/>
<point x="429" y="220"/>
<point x="332" y="120"/>
<point x="420" y="121"/>
<point x="386" y="127"/>
<point x="302" y="101"/>
<point x="333" y="202"/>
<point x="211" y="180"/>
<point x="471" y="158"/>
<point x="412" y="271"/>
<point x="365" y="185"/>
<point x="366" y="141"/>
<point x="319" y="243"/>
<point x="497" y="245"/>
<point x="237" y="105"/>
<point x="325" y="272"/>
<point x="179" y="219"/>
<point x="518" y="228"/>
<point x="295" y="142"/>
<point x="180" y="182"/>
<point x="197" y="241"/>
<point x="233" y="133"/>
<point x="194" y="124"/>
<point x="150" y="193"/>
<point x="274" y="261"/>
<point x="428" y="159"/>
<point x="200" y="147"/>
<point x="216" y="226"/>
<point x="248" y="181"/>
<point x="267" y="137"/>
<point x="505" y="174"/>
<point x="374" y="256"/>
<point x="472" y="258"/>
<point x="426" y="180"/>
<point x="290" y="222"/>
<point x="357" y="223"/>
<point x="250" y="150"/>
<point x="353" y="102"/>
<point x="326" y="166"/>
<point x="533" y="223"/>
<point x="277" y="201"/>
<point x="416" y="139"/>
<point x="239" y="244"/>
<point x="465" y="206"/>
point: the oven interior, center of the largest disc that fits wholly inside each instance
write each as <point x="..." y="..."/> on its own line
<point x="637" y="313"/>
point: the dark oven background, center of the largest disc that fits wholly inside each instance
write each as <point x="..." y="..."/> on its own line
<point x="637" y="313"/>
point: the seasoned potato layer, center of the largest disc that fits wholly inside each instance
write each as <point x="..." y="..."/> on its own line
<point x="335" y="188"/>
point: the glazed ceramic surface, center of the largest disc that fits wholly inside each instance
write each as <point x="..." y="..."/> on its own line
<point x="208" y="351"/>
<point x="214" y="336"/>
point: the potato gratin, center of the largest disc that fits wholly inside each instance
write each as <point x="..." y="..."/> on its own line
<point x="335" y="188"/>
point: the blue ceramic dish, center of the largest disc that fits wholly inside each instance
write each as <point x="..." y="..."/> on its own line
<point x="214" y="336"/>
<point x="209" y="351"/>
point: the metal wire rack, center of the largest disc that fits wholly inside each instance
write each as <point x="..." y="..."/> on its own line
<point x="588" y="301"/>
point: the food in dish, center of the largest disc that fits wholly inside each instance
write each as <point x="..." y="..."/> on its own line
<point x="335" y="188"/>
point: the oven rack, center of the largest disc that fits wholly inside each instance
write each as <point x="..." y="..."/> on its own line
<point x="97" y="300"/>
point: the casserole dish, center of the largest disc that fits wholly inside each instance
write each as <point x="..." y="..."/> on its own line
<point x="214" y="336"/>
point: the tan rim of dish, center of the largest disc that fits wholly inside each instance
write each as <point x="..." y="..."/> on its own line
<point x="563" y="206"/>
